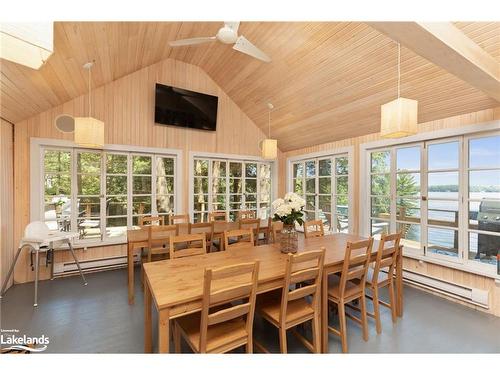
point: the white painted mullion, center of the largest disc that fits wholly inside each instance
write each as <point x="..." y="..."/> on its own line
<point x="129" y="191"/>
<point x="423" y="193"/>
<point x="392" y="184"/>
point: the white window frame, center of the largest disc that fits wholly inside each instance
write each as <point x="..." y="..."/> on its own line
<point x="468" y="132"/>
<point x="228" y="158"/>
<point x="38" y="145"/>
<point x="338" y="152"/>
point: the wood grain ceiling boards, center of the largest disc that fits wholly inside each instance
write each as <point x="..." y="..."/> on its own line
<point x="326" y="81"/>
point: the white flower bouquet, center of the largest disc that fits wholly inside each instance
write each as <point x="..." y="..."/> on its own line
<point x="289" y="209"/>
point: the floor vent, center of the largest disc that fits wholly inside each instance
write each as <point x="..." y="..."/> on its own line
<point x="91" y="265"/>
<point x="474" y="296"/>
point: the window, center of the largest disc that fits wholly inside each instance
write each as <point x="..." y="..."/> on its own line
<point x="443" y="196"/>
<point x="324" y="184"/>
<point x="111" y="190"/>
<point x="230" y="185"/>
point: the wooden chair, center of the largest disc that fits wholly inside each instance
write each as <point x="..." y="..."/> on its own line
<point x="350" y="286"/>
<point x="217" y="216"/>
<point x="254" y="225"/>
<point x="276" y="228"/>
<point x="247" y="214"/>
<point x="192" y="244"/>
<point x="178" y="219"/>
<point x="243" y="237"/>
<point x="151" y="220"/>
<point x="222" y="325"/>
<point x="266" y="232"/>
<point x="303" y="271"/>
<point x="159" y="239"/>
<point x="313" y="228"/>
<point x="205" y="228"/>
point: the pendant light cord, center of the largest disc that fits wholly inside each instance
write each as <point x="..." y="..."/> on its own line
<point x="90" y="103"/>
<point x="269" y="129"/>
<point x="399" y="70"/>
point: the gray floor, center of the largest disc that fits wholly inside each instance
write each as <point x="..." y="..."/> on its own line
<point x="98" y="319"/>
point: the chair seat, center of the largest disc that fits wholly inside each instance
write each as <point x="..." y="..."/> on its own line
<point x="352" y="290"/>
<point x="297" y="311"/>
<point x="220" y="337"/>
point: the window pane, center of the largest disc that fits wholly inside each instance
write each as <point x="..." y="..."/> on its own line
<point x="310" y="202"/>
<point x="89" y="184"/>
<point x="57" y="184"/>
<point x="342" y="185"/>
<point x="116" y="185"/>
<point x="235" y="169"/>
<point x="265" y="171"/>
<point x="89" y="228"/>
<point x="116" y="206"/>
<point x="250" y="170"/>
<point x="341" y="165"/>
<point x="200" y="185"/>
<point x="164" y="185"/>
<point x="310" y="168"/>
<point x="342" y="200"/>
<point x="325" y="203"/>
<point x="342" y="224"/>
<point x="141" y="164"/>
<point x="408" y="159"/>
<point x="326" y="219"/>
<point x="116" y="164"/>
<point x="201" y="167"/>
<point x="298" y="186"/>
<point x="57" y="213"/>
<point x="484" y="152"/>
<point x="325" y="185"/>
<point x="235" y="186"/>
<point x="164" y="166"/>
<point x="484" y="247"/>
<point x="443" y="213"/>
<point x="116" y="226"/>
<point x="443" y="156"/>
<point x="380" y="184"/>
<point x="250" y="185"/>
<point x="379" y="227"/>
<point x="408" y="210"/>
<point x="89" y="206"/>
<point x="298" y="170"/>
<point x="200" y="217"/>
<point x="57" y="161"/>
<point x="310" y="185"/>
<point x="325" y="167"/>
<point x="380" y="207"/>
<point x="380" y="161"/>
<point x="265" y="190"/>
<point x="165" y="203"/>
<point x="485" y="215"/>
<point x="219" y="185"/>
<point x="89" y="162"/>
<point x="443" y="185"/>
<point x="200" y="203"/>
<point x="410" y="234"/>
<point x="219" y="203"/>
<point x="235" y="198"/>
<point x="408" y="184"/>
<point x="141" y="185"/>
<point x="442" y="241"/>
<point x="218" y="169"/>
<point x="141" y="205"/>
<point x="484" y="184"/>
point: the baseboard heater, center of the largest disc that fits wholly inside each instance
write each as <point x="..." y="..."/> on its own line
<point x="475" y="296"/>
<point x="92" y="265"/>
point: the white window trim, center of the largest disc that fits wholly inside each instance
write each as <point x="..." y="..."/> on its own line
<point x="349" y="150"/>
<point x="236" y="157"/>
<point x="364" y="204"/>
<point x="36" y="168"/>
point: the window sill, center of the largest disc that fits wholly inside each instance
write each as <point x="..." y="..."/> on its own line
<point x="90" y="244"/>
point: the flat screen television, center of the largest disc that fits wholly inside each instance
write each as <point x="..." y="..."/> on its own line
<point x="188" y="109"/>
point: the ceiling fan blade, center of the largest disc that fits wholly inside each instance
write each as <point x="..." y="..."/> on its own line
<point x="191" y="41"/>
<point x="233" y="25"/>
<point x="243" y="45"/>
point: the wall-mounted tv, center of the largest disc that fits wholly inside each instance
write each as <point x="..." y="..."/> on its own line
<point x="178" y="107"/>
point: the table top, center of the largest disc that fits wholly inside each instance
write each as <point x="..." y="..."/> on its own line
<point x="177" y="281"/>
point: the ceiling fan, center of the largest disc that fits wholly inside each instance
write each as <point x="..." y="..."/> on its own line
<point x="228" y="34"/>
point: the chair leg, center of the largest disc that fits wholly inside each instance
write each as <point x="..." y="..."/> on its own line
<point x="343" y="326"/>
<point x="177" y="337"/>
<point x="392" y="300"/>
<point x="376" y="310"/>
<point x="364" y="318"/>
<point x="283" y="340"/>
<point x="249" y="345"/>
<point x="316" y="331"/>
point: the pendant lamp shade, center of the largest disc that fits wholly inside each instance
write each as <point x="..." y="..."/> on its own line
<point x="399" y="118"/>
<point x="269" y="149"/>
<point x="89" y="132"/>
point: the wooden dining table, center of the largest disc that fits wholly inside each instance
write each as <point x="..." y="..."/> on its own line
<point x="137" y="238"/>
<point x="175" y="286"/>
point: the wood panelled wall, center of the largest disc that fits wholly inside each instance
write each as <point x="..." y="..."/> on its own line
<point x="445" y="273"/>
<point x="6" y="198"/>
<point x="127" y="108"/>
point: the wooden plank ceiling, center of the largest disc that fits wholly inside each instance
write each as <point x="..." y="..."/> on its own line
<point x="326" y="81"/>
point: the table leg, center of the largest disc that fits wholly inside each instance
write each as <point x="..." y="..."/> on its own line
<point x="399" y="283"/>
<point x="148" y="339"/>
<point x="324" y="313"/>
<point x="11" y="270"/>
<point x="164" y="331"/>
<point x="37" y="270"/>
<point x="130" y="267"/>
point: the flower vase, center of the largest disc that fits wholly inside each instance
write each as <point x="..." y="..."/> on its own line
<point x="289" y="239"/>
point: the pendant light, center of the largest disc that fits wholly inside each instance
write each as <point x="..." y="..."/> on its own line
<point x="399" y="117"/>
<point x="89" y="132"/>
<point x="269" y="147"/>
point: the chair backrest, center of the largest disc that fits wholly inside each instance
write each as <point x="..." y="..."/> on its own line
<point x="138" y="235"/>
<point x="159" y="236"/>
<point x="217" y="216"/>
<point x="243" y="237"/>
<point x="247" y="214"/>
<point x="250" y="224"/>
<point x="313" y="228"/>
<point x="356" y="262"/>
<point x="151" y="220"/>
<point x="188" y="245"/>
<point x="386" y="255"/>
<point x="36" y="229"/>
<point x="299" y="269"/>
<point x="276" y="228"/>
<point x="178" y="219"/>
<point x="235" y="283"/>
<point x="206" y="228"/>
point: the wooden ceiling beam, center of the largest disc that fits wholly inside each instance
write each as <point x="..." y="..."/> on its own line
<point x="446" y="46"/>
